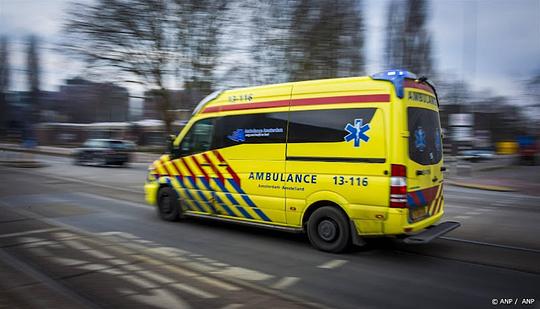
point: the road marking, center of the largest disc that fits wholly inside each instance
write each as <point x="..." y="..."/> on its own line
<point x="200" y="267"/>
<point x="285" y="282"/>
<point x="206" y="260"/>
<point x="30" y="232"/>
<point x="68" y="262"/>
<point x="243" y="274"/>
<point x="118" y="262"/>
<point x="132" y="267"/>
<point x="93" y="267"/>
<point x="65" y="236"/>
<point x="112" y="271"/>
<point x="120" y="234"/>
<point x="161" y="298"/>
<point x="145" y="284"/>
<point x="179" y="271"/>
<point x="233" y="306"/>
<point x="77" y="245"/>
<point x="333" y="264"/>
<point x="47" y="243"/>
<point x="39" y="251"/>
<point x="142" y="241"/>
<point x="183" y="272"/>
<point x="194" y="291"/>
<point x="156" y="277"/>
<point x="217" y="283"/>
<point x="99" y="254"/>
<point x="168" y="251"/>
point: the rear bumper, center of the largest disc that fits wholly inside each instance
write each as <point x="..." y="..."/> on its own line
<point x="432" y="232"/>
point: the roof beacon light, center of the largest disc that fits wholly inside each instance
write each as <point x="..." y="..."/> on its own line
<point x="396" y="77"/>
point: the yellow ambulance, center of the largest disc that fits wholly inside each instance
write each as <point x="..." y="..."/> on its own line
<point x="339" y="159"/>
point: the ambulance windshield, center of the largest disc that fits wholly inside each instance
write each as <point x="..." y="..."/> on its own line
<point x="425" y="143"/>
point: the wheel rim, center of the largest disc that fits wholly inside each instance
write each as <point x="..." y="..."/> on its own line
<point x="327" y="229"/>
<point x="165" y="203"/>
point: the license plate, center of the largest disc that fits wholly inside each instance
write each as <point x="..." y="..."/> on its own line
<point x="418" y="213"/>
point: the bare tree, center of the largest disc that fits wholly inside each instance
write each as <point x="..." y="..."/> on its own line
<point x="408" y="42"/>
<point x="199" y="23"/>
<point x="4" y="82"/>
<point x="270" y="26"/>
<point x="135" y="40"/>
<point x="33" y="74"/>
<point x="326" y="39"/>
<point x="157" y="43"/>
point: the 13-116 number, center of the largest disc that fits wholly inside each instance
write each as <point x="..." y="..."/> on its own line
<point x="358" y="181"/>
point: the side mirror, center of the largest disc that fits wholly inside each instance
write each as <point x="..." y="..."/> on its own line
<point x="170" y="147"/>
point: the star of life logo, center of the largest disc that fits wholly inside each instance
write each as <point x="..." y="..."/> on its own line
<point x="420" y="139"/>
<point x="357" y="132"/>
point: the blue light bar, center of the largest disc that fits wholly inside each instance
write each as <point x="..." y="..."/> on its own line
<point x="396" y="77"/>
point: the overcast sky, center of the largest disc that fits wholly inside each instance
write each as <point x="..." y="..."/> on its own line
<point x="504" y="49"/>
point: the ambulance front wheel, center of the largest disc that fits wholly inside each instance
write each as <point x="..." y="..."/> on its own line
<point x="328" y="229"/>
<point x="168" y="204"/>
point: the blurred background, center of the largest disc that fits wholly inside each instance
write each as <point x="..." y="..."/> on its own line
<point x="73" y="70"/>
<point x="90" y="90"/>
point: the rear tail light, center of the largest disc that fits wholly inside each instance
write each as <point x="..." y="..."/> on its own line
<point x="398" y="186"/>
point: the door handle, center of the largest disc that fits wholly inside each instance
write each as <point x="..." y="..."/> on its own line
<point x="205" y="164"/>
<point x="223" y="164"/>
<point x="443" y="168"/>
<point x="435" y="179"/>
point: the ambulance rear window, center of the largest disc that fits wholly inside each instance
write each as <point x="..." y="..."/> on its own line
<point x="425" y="144"/>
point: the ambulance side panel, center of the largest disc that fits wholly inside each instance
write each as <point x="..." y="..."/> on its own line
<point x="344" y="142"/>
<point x="253" y="147"/>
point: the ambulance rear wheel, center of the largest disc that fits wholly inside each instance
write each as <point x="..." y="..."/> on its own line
<point x="168" y="204"/>
<point x="328" y="230"/>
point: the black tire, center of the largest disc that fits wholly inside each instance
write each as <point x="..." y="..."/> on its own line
<point x="328" y="230"/>
<point x="168" y="204"/>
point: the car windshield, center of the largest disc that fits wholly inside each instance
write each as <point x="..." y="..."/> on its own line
<point x="425" y="144"/>
<point x="119" y="145"/>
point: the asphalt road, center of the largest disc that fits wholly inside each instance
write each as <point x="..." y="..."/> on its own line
<point x="85" y="233"/>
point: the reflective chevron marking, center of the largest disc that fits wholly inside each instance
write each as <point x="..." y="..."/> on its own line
<point x="194" y="197"/>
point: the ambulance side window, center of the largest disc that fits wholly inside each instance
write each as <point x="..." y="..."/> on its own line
<point x="199" y="138"/>
<point x="260" y="128"/>
<point x="318" y="126"/>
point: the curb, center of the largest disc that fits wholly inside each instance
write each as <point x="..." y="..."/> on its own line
<point x="492" y="168"/>
<point x="480" y="186"/>
<point x="23" y="163"/>
<point x="69" y="155"/>
<point x="45" y="152"/>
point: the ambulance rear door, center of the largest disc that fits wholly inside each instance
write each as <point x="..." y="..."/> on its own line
<point x="424" y="168"/>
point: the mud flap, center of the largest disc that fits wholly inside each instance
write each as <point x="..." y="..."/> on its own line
<point x="355" y="238"/>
